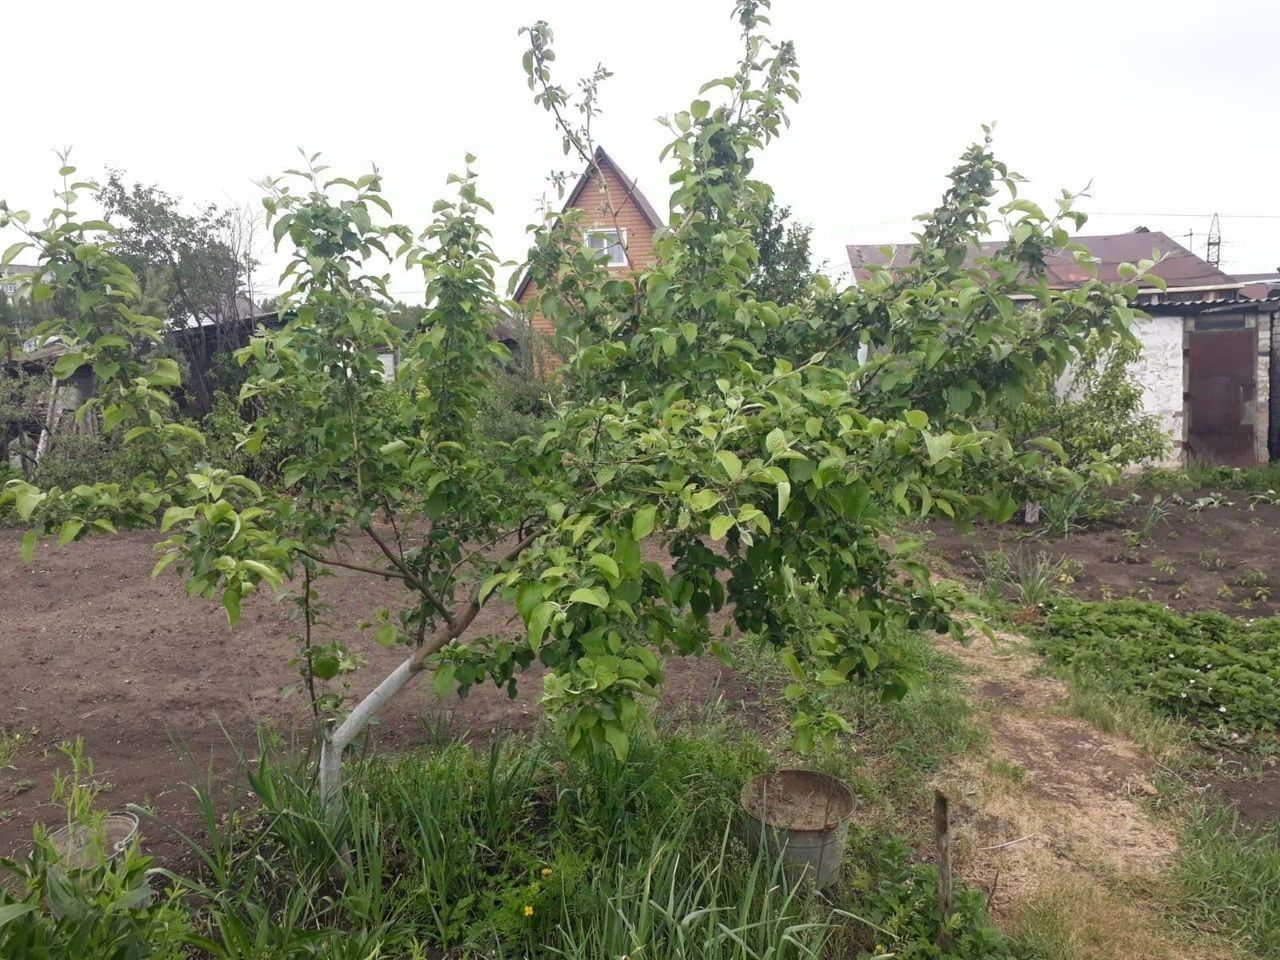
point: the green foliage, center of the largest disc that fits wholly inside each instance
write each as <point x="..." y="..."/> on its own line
<point x="1220" y="673"/>
<point x="1261" y="479"/>
<point x="784" y="269"/>
<point x="898" y="900"/>
<point x="99" y="904"/>
<point x="1024" y="577"/>
<point x="770" y="449"/>
<point x="1096" y="413"/>
<point x="1228" y="875"/>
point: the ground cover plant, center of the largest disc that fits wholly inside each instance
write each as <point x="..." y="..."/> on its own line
<point x="1220" y="673"/>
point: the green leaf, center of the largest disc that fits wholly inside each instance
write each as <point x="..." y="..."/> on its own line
<point x="539" y="620"/>
<point x="831" y="678"/>
<point x="386" y="634"/>
<point x="70" y="529"/>
<point x="775" y="442"/>
<point x="720" y="526"/>
<point x="916" y="419"/>
<point x="704" y="500"/>
<point x="732" y="465"/>
<point x="26" y="499"/>
<point x="174" y="514"/>
<point x="12" y="911"/>
<point x="617" y="739"/>
<point x="164" y="372"/>
<point x="12" y="251"/>
<point x="606" y="565"/>
<point x="29" y="546"/>
<point x="784" y="496"/>
<point x="163" y="562"/>
<point x="443" y="680"/>
<point x="67" y="365"/>
<point x="595" y="596"/>
<point x="643" y="521"/>
<point x="395" y="446"/>
<point x="231" y="601"/>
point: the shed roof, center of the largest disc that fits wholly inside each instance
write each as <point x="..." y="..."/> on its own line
<point x="1179" y="268"/>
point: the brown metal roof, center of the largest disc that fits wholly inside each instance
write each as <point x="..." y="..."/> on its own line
<point x="1179" y="268"/>
<point x="633" y="193"/>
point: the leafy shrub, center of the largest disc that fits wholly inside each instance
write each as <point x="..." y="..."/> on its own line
<point x="79" y="458"/>
<point x="897" y="902"/>
<point x="94" y="906"/>
<point x="1219" y="672"/>
<point x="1095" y="414"/>
<point x="518" y="405"/>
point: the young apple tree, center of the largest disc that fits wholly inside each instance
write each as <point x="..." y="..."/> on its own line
<point x="770" y="452"/>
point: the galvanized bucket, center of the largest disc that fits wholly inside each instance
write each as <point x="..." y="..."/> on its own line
<point x="81" y="846"/>
<point x="803" y="815"/>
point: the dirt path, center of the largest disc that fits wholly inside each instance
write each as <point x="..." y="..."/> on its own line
<point x="1052" y="815"/>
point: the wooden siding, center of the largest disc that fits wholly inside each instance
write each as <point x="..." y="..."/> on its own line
<point x="594" y="201"/>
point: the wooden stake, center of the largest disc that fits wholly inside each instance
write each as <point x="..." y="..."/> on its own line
<point x="942" y="837"/>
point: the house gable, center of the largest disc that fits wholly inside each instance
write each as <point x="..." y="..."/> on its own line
<point x="617" y="203"/>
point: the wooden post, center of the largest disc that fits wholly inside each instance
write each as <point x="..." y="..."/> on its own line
<point x="942" y="837"/>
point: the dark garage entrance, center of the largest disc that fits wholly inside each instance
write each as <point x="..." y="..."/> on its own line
<point x="1220" y="394"/>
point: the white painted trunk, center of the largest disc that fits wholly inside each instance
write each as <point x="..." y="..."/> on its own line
<point x="335" y="742"/>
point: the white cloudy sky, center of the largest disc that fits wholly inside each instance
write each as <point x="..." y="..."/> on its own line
<point x="1168" y="107"/>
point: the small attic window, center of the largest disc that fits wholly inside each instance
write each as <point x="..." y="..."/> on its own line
<point x="606" y="244"/>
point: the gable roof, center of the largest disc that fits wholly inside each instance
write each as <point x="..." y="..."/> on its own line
<point x="602" y="159"/>
<point x="1179" y="268"/>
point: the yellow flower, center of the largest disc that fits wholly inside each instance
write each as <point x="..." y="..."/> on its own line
<point x="546" y="872"/>
<point x="528" y="910"/>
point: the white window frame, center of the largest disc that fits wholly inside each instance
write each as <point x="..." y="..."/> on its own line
<point x="619" y="244"/>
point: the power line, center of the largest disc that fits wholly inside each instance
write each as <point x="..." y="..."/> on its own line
<point x="1206" y="216"/>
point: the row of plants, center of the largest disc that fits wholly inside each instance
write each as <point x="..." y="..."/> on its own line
<point x="517" y="850"/>
<point x="1221" y="673"/>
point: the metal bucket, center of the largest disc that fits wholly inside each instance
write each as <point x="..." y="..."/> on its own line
<point x="803" y="815"/>
<point x="80" y="845"/>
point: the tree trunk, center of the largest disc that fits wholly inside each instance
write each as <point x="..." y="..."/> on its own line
<point x="50" y="421"/>
<point x="336" y="741"/>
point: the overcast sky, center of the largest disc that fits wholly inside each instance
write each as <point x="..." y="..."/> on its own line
<point x="1169" y="108"/>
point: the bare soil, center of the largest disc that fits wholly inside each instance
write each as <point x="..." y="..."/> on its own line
<point x="164" y="693"/>
<point x="1224" y="557"/>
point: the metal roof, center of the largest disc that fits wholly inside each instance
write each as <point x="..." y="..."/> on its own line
<point x="1179" y="268"/>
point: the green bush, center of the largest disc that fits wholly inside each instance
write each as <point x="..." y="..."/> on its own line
<point x="1220" y="673"/>
<point x="79" y="458"/>
<point x="518" y="405"/>
<point x="1097" y="414"/>
<point x="96" y="906"/>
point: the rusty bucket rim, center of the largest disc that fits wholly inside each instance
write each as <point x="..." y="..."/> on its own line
<point x="843" y="791"/>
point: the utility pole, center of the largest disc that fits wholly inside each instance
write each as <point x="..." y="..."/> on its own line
<point x="1213" y="246"/>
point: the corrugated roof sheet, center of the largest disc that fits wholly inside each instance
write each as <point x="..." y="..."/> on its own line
<point x="1180" y="267"/>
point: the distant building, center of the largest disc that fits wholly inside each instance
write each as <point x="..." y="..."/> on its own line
<point x="618" y="221"/>
<point x="1210" y="364"/>
<point x="11" y="277"/>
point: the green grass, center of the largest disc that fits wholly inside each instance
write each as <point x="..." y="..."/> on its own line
<point x="1201" y="476"/>
<point x="1229" y="879"/>
<point x="519" y="850"/>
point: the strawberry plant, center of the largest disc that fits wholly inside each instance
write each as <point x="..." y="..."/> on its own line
<point x="1218" y="672"/>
